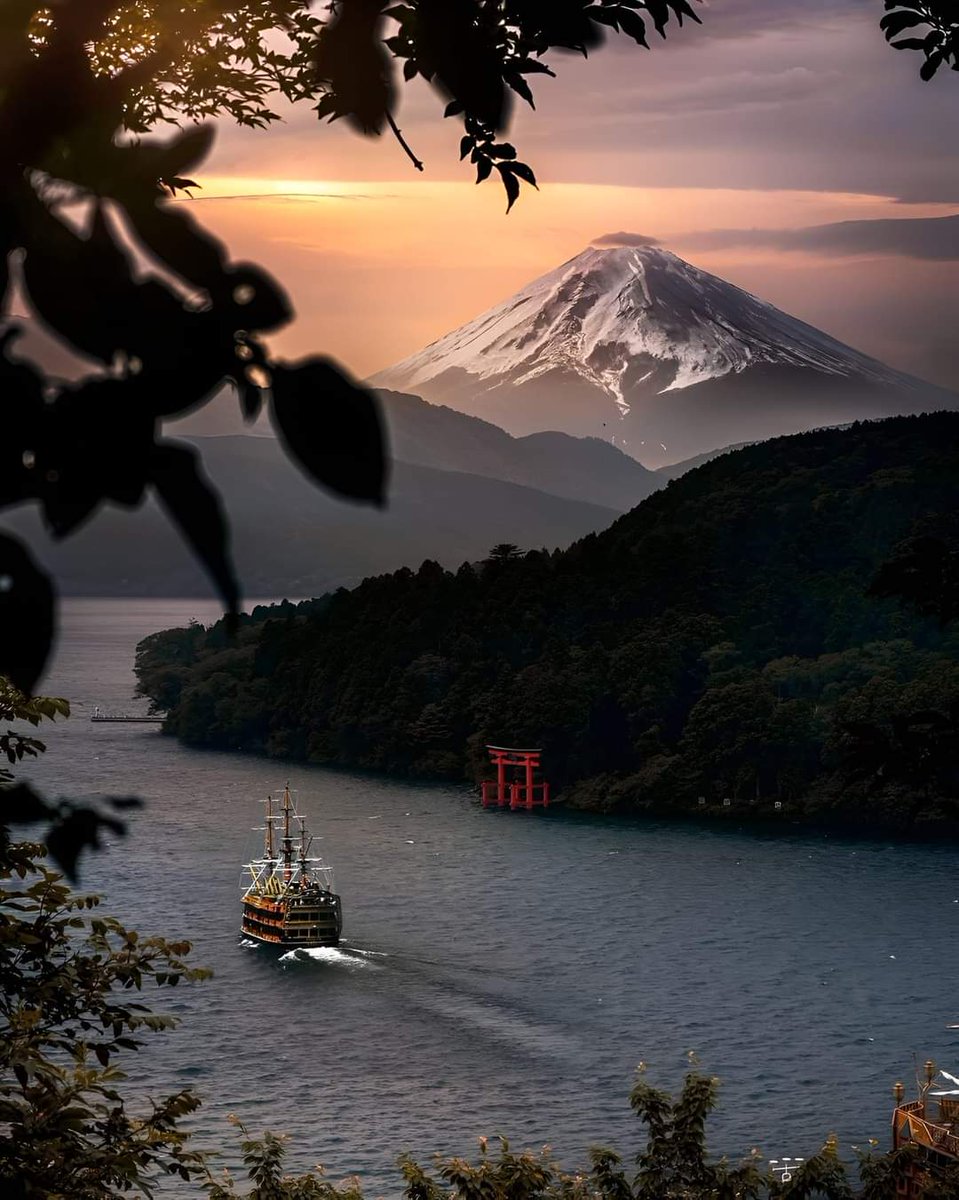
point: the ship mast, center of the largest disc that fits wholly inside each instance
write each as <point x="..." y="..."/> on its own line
<point x="305" y="843"/>
<point x="268" y="837"/>
<point x="287" y="836"/>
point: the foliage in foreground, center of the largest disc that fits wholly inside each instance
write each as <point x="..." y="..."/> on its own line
<point x="674" y="1165"/>
<point x="69" y="1008"/>
<point x="72" y="827"/>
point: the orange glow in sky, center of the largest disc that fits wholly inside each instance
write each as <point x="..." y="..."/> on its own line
<point x="377" y="270"/>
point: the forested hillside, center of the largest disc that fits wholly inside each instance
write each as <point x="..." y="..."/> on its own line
<point x="722" y="641"/>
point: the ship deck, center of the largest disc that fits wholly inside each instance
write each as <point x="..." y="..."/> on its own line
<point x="917" y="1121"/>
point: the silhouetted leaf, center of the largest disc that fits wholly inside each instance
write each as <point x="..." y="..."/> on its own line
<point x="179" y="184"/>
<point x="177" y="240"/>
<point x="524" y="173"/>
<point x="931" y="65"/>
<point x="682" y="8"/>
<point x="21" y="805"/>
<point x="80" y="287"/>
<point x="352" y="61"/>
<point x="894" y="23"/>
<point x="634" y="26"/>
<point x="21" y="420"/>
<point x="659" y="11"/>
<point x="510" y="183"/>
<point x="97" y="444"/>
<point x="456" y="49"/>
<point x="184" y="151"/>
<point x="77" y="830"/>
<point x="196" y="509"/>
<point x="332" y="428"/>
<point x="520" y="87"/>
<point x="26" y="616"/>
<point x="568" y="25"/>
<point x="261" y="304"/>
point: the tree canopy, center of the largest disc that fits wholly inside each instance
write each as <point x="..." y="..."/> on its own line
<point x="674" y="1164"/>
<point x="716" y="650"/>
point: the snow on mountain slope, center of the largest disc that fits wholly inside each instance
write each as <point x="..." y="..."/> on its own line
<point x="627" y="325"/>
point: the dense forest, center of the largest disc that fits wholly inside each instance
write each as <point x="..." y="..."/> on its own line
<point x="770" y="635"/>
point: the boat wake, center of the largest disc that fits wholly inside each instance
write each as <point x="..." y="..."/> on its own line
<point x="328" y="956"/>
<point x="500" y="1023"/>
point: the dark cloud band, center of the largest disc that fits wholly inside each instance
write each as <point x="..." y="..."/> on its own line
<point x="931" y="238"/>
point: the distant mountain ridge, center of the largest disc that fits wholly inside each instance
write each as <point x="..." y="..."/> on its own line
<point x="459" y="485"/>
<point x="291" y="539"/>
<point x="422" y="434"/>
<point x="675" y="470"/>
<point x="587" y="469"/>
<point x="636" y="345"/>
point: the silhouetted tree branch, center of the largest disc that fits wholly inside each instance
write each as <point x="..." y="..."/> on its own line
<point x="932" y="27"/>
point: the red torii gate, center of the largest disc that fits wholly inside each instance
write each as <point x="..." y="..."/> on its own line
<point x="518" y="792"/>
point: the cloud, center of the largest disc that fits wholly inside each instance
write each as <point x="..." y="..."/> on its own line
<point x="283" y="197"/>
<point x="930" y="238"/>
<point x="765" y="94"/>
<point x="625" y="239"/>
<point x="744" y="18"/>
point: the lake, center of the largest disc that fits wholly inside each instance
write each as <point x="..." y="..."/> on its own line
<point x="503" y="972"/>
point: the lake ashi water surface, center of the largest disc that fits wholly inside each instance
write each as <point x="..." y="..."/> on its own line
<point x="503" y="972"/>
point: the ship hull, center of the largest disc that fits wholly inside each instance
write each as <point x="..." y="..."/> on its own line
<point x="304" y="921"/>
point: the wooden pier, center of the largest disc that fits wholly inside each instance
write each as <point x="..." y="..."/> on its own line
<point x="126" y="718"/>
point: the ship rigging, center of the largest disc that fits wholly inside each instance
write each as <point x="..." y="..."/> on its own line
<point x="289" y="899"/>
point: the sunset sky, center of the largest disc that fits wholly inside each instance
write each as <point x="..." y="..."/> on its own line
<point x="730" y="143"/>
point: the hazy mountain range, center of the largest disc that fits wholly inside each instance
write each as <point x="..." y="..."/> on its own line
<point x="636" y="346"/>
<point x="459" y="485"/>
<point x="619" y="357"/>
<point x="292" y="539"/>
<point x="588" y="469"/>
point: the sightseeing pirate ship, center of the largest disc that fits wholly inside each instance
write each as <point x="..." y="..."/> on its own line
<point x="289" y="900"/>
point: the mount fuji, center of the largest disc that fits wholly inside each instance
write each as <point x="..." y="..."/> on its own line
<point x="637" y="346"/>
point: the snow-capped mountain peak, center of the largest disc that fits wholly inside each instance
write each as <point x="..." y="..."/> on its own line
<point x="598" y="312"/>
<point x="623" y="333"/>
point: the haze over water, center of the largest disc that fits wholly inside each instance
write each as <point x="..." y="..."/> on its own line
<point x="503" y="972"/>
